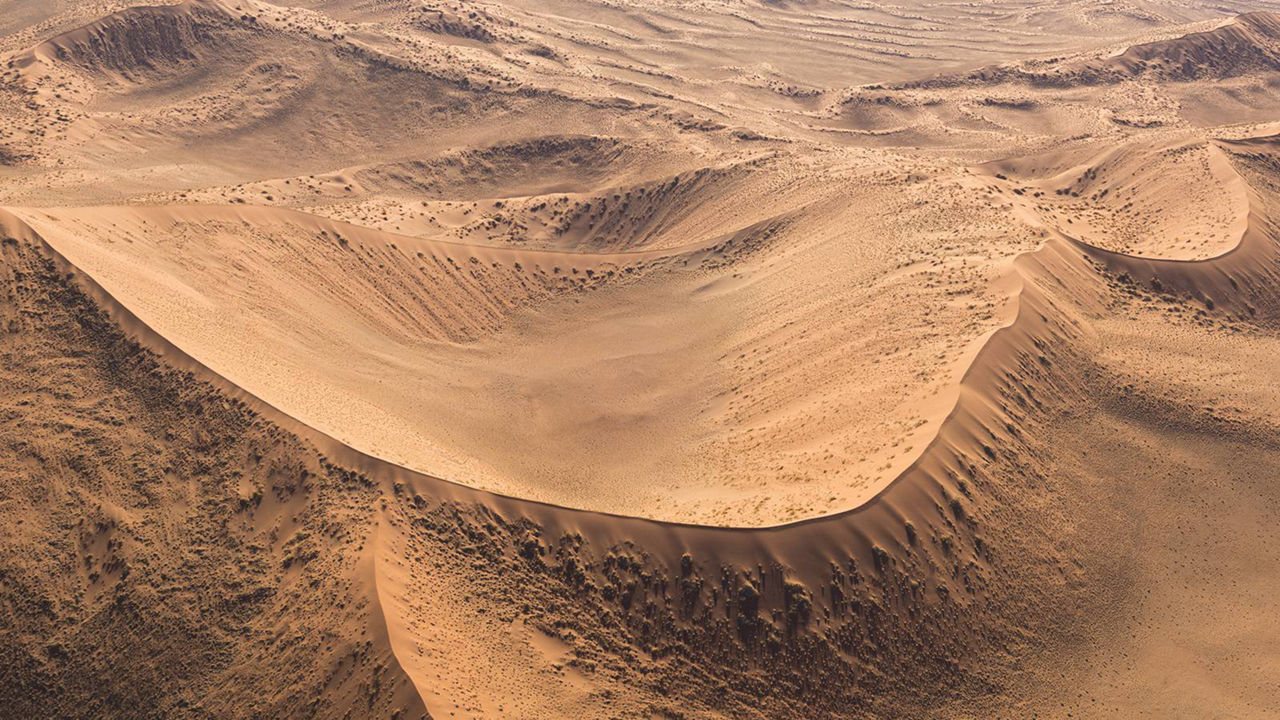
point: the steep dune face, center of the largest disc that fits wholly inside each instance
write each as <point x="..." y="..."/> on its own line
<point x="170" y="527"/>
<point x="128" y="45"/>
<point x="699" y="367"/>
<point x="560" y="359"/>
<point x="1192" y="442"/>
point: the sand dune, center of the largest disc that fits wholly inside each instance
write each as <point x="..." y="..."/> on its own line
<point x="572" y="359"/>
<point x="678" y="364"/>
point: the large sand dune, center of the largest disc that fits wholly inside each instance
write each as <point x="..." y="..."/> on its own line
<point x="663" y="359"/>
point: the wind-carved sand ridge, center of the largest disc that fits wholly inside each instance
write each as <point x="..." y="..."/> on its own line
<point x="1018" y="336"/>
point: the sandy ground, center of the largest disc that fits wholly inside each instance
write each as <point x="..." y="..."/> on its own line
<point x="661" y="359"/>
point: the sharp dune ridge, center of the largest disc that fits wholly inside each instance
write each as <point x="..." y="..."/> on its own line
<point x="917" y="399"/>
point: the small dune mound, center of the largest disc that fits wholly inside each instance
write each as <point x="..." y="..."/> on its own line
<point x="526" y="167"/>
<point x="456" y="20"/>
<point x="1179" y="201"/>
<point x="878" y="113"/>
<point x="665" y="213"/>
<point x="510" y="170"/>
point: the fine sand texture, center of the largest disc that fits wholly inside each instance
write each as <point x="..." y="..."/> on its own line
<point x="640" y="359"/>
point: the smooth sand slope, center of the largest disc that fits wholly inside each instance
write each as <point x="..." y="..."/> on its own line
<point x="581" y="360"/>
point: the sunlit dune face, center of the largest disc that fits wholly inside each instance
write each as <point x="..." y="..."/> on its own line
<point x="783" y="371"/>
<point x="739" y="291"/>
